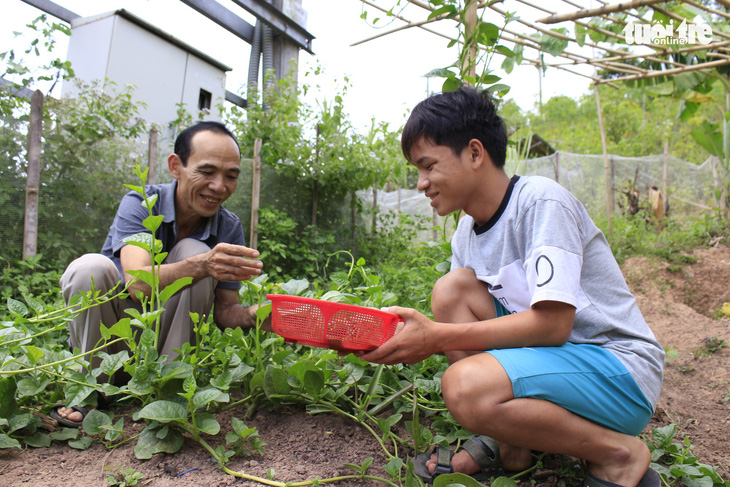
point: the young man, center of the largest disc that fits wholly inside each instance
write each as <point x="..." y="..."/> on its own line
<point x="203" y="240"/>
<point x="571" y="367"/>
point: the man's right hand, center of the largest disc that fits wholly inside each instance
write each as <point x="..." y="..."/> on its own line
<point x="227" y="262"/>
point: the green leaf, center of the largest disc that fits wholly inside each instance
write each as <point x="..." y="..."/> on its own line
<point x="207" y="424"/>
<point x="554" y="45"/>
<point x="173" y="288"/>
<point x="163" y="411"/>
<point x="76" y="393"/>
<point x="8" y="442"/>
<point x="95" y="421"/>
<point x="31" y="387"/>
<point x="142" y="240"/>
<point x="148" y="444"/>
<point x="17" y="308"/>
<point x="204" y="397"/>
<point x="38" y="440"/>
<point x="153" y="222"/>
<point x="295" y="286"/>
<point x="275" y="382"/>
<point x="448" y="10"/>
<point x="82" y="443"/>
<point x="65" y="434"/>
<point x="33" y="353"/>
<point x="504" y="50"/>
<point x="144" y="276"/>
<point x="709" y="137"/>
<point x="176" y="370"/>
<point x="122" y="328"/>
<point x="661" y="89"/>
<point x="313" y="381"/>
<point x="580" y="34"/>
<point x="223" y="380"/>
<point x="451" y="85"/>
<point x="112" y="363"/>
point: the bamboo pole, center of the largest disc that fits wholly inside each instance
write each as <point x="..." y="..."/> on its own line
<point x="469" y="63"/>
<point x="152" y="154"/>
<point x="32" y="182"/>
<point x="606" y="9"/>
<point x="607" y="170"/>
<point x="255" y="194"/>
<point x="665" y="173"/>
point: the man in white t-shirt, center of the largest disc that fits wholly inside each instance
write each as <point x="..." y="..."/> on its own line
<point x="571" y="365"/>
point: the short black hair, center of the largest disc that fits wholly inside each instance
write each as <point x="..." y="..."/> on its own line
<point x="183" y="143"/>
<point x="453" y="119"/>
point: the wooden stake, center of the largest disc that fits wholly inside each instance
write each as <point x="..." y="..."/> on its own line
<point x="32" y="182"/>
<point x="152" y="157"/>
<point x="607" y="170"/>
<point x="255" y="192"/>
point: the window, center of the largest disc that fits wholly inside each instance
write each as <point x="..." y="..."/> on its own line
<point x="204" y="100"/>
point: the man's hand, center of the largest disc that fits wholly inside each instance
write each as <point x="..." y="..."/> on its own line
<point x="413" y="341"/>
<point x="227" y="262"/>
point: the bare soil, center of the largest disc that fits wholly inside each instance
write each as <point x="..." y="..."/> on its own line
<point x="680" y="303"/>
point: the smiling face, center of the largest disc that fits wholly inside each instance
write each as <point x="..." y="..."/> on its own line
<point x="443" y="176"/>
<point x="208" y="179"/>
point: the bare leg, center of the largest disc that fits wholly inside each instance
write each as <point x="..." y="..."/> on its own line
<point x="478" y="393"/>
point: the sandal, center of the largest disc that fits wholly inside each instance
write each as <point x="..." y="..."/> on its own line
<point x="68" y="422"/>
<point x="483" y="449"/>
<point x="650" y="479"/>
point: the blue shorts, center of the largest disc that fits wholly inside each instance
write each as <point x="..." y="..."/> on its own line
<point x="585" y="379"/>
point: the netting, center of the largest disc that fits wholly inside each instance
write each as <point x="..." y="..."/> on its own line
<point x="689" y="186"/>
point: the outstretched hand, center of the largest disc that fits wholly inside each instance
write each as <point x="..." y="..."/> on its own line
<point x="227" y="262"/>
<point x="414" y="340"/>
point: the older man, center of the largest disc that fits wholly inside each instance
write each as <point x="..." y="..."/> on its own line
<point x="204" y="241"/>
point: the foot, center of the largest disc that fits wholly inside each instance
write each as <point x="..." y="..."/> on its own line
<point x="513" y="460"/>
<point x="627" y="466"/>
<point x="70" y="414"/>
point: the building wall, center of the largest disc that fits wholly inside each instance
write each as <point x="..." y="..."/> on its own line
<point x="164" y="74"/>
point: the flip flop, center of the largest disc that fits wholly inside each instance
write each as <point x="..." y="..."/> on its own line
<point x="650" y="479"/>
<point x="65" y="421"/>
<point x="483" y="449"/>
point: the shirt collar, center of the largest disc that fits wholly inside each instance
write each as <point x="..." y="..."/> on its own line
<point x="167" y="209"/>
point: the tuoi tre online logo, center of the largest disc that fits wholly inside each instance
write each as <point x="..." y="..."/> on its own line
<point x="665" y="34"/>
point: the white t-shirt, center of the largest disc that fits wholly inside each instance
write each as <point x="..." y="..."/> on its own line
<point x="541" y="245"/>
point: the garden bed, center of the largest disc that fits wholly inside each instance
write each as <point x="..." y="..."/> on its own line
<point x="680" y="304"/>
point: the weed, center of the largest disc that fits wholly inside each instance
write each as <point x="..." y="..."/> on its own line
<point x="709" y="346"/>
<point x="123" y="477"/>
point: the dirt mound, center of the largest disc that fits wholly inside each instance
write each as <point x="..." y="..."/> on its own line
<point x="680" y="303"/>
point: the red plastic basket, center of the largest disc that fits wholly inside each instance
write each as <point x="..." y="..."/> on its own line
<point x="327" y="324"/>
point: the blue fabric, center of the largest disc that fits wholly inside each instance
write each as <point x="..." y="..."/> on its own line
<point x="585" y="379"/>
<point x="224" y="226"/>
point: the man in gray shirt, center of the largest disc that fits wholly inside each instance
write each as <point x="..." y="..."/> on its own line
<point x="571" y="365"/>
<point x="204" y="241"/>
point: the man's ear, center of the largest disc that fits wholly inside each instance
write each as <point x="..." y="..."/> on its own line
<point x="174" y="165"/>
<point x="477" y="152"/>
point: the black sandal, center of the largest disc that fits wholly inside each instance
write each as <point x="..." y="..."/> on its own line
<point x="483" y="449"/>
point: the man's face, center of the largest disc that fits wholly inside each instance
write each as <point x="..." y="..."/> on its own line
<point x="442" y="175"/>
<point x="210" y="177"/>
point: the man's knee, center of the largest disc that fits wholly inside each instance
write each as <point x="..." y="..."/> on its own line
<point x="185" y="248"/>
<point x="455" y="286"/>
<point x="80" y="273"/>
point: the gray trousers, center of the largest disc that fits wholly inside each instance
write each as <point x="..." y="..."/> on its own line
<point x="176" y="326"/>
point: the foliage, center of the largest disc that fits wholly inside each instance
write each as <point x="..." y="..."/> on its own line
<point x="288" y="251"/>
<point x="89" y="143"/>
<point x="640" y="235"/>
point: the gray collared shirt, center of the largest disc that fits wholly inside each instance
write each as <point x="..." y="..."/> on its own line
<point x="224" y="226"/>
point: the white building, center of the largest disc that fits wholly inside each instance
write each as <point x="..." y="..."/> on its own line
<point x="167" y="73"/>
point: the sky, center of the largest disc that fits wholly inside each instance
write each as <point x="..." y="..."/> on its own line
<point x="385" y="75"/>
